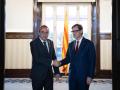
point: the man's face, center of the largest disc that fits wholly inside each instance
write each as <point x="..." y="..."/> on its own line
<point x="44" y="33"/>
<point x="77" y="33"/>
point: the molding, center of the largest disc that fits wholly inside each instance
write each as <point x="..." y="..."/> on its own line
<point x="66" y="0"/>
<point x="104" y="74"/>
<point x="25" y="73"/>
<point x="97" y="38"/>
<point x="19" y="35"/>
<point x="105" y="36"/>
<point x="17" y="73"/>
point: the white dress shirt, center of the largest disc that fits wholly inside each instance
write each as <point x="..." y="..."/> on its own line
<point x="46" y="43"/>
<point x="79" y="42"/>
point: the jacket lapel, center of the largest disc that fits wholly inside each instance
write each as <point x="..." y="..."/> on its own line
<point x="49" y="46"/>
<point x="72" y="48"/>
<point x="41" y="46"/>
<point x="82" y="45"/>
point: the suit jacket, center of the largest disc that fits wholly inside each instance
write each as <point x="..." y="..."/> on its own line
<point x="41" y="59"/>
<point x="82" y="64"/>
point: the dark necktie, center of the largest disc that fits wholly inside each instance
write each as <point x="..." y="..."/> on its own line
<point x="77" y="46"/>
<point x="45" y="45"/>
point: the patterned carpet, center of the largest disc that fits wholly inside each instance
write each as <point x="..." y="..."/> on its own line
<point x="25" y="84"/>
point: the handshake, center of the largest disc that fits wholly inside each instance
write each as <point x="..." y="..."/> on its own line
<point x="56" y="63"/>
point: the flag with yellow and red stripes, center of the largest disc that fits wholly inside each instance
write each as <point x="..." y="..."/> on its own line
<point x="65" y="43"/>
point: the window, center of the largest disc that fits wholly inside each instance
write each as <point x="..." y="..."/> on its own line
<point x="53" y="17"/>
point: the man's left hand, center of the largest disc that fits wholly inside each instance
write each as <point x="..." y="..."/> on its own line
<point x="57" y="76"/>
<point x="89" y="80"/>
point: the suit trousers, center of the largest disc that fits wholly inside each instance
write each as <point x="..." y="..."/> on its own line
<point x="77" y="84"/>
<point x="45" y="82"/>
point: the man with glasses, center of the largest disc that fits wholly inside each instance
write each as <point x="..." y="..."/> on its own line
<point x="43" y="53"/>
<point x="82" y="56"/>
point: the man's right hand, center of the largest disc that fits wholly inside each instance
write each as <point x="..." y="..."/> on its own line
<point x="56" y="63"/>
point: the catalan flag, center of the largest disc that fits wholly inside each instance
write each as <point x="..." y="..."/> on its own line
<point x="65" y="43"/>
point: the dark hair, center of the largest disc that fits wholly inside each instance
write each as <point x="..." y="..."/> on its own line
<point x="43" y="26"/>
<point x="78" y="25"/>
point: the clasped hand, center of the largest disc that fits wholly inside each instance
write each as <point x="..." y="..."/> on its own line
<point x="56" y="63"/>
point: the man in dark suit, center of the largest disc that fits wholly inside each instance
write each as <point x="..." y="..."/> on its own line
<point x="43" y="53"/>
<point x="82" y="56"/>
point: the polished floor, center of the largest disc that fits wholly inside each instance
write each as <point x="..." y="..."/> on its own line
<point x="25" y="84"/>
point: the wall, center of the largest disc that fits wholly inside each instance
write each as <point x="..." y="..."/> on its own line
<point x="106" y="28"/>
<point x="19" y="15"/>
<point x="19" y="18"/>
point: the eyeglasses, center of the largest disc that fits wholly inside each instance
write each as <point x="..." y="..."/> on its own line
<point x="44" y="32"/>
<point x="75" y="31"/>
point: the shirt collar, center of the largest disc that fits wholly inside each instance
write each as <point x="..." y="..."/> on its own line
<point x="42" y="40"/>
<point x="80" y="39"/>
